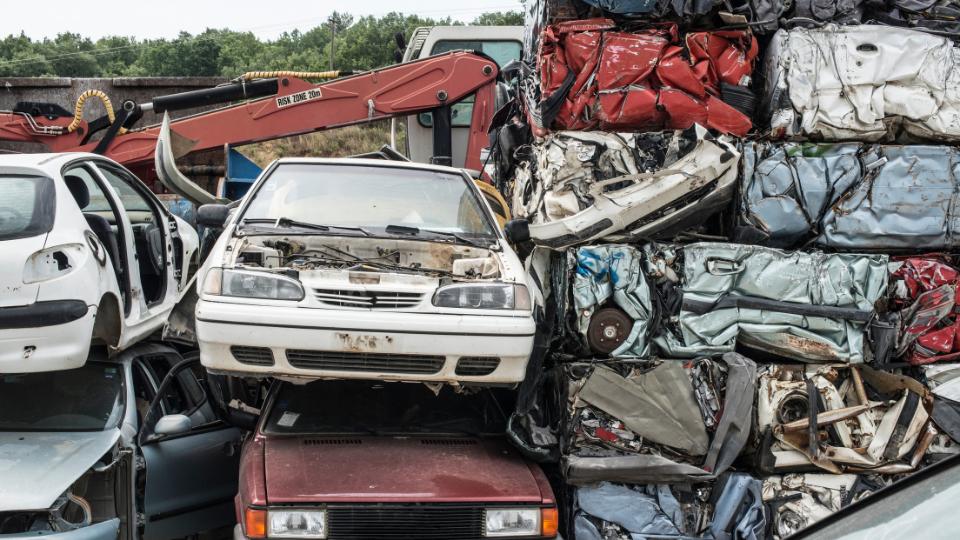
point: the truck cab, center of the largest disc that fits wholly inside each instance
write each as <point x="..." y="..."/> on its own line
<point x="501" y="43"/>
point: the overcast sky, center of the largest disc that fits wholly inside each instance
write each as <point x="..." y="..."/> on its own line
<point x="165" y="18"/>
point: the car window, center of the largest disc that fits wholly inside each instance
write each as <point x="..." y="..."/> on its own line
<point x="502" y="52"/>
<point x="88" y="398"/>
<point x="184" y="394"/>
<point x="370" y="197"/>
<point x="365" y="407"/>
<point x="133" y="201"/>
<point x="99" y="202"/>
<point x="27" y="206"/>
<point x="174" y="399"/>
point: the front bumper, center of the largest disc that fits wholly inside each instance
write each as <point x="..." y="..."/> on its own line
<point x="105" y="530"/>
<point x="383" y="336"/>
<point x="238" y="535"/>
<point x="53" y="340"/>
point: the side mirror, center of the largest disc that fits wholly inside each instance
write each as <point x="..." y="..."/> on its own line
<point x="213" y="215"/>
<point x="516" y="230"/>
<point x="173" y="424"/>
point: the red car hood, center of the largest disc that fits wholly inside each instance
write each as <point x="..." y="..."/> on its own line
<point x="395" y="469"/>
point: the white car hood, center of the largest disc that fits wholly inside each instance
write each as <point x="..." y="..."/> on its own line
<point x="36" y="468"/>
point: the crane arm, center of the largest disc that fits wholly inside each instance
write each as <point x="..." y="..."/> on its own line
<point x="296" y="107"/>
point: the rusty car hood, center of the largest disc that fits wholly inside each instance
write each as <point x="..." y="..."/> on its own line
<point x="308" y="469"/>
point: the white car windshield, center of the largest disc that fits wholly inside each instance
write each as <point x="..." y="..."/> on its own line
<point x="370" y="198"/>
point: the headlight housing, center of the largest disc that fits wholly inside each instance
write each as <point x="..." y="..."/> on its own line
<point x="483" y="296"/>
<point x="247" y="284"/>
<point x="512" y="522"/>
<point x="296" y="523"/>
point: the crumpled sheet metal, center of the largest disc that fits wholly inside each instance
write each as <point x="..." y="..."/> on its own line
<point x="663" y="410"/>
<point x="582" y="186"/>
<point x="594" y="76"/>
<point x="734" y="509"/>
<point x="613" y="273"/>
<point x="808" y="306"/>
<point x="867" y="83"/>
<point x="863" y="419"/>
<point x="943" y="380"/>
<point x="797" y="501"/>
<point x="928" y="288"/>
<point x="850" y="196"/>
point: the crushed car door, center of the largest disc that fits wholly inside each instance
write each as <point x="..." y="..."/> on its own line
<point x="192" y="467"/>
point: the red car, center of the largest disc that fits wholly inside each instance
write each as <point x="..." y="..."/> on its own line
<point x="359" y="459"/>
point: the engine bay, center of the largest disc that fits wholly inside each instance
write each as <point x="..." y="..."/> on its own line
<point x="311" y="252"/>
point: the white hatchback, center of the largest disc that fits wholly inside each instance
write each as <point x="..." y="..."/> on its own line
<point x="90" y="255"/>
<point x="357" y="268"/>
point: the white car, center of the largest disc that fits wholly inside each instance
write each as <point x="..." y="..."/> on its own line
<point x="89" y="255"/>
<point x="358" y="268"/>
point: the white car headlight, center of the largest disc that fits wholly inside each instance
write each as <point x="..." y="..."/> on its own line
<point x="512" y="522"/>
<point x="244" y="284"/>
<point x="483" y="296"/>
<point x="53" y="262"/>
<point x="296" y="524"/>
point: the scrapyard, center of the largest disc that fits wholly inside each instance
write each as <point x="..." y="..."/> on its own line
<point x="689" y="271"/>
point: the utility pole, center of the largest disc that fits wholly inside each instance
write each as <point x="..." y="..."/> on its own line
<point x="333" y="38"/>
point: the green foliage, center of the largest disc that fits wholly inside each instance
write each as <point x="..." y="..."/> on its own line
<point x="499" y="18"/>
<point x="364" y="43"/>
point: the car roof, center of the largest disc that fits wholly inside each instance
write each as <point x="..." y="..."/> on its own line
<point x="385" y="163"/>
<point x="49" y="162"/>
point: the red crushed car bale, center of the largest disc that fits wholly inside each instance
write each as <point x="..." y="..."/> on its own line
<point x="643" y="80"/>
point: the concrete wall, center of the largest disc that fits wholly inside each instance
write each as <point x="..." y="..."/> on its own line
<point x="64" y="91"/>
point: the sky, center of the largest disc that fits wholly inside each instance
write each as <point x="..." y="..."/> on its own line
<point x="166" y="18"/>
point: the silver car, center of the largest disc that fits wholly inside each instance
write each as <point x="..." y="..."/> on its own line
<point x="130" y="447"/>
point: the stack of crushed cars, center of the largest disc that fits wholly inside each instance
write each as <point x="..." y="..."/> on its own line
<point x="744" y="220"/>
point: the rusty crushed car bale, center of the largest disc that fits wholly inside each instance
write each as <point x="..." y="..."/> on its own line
<point x="795" y="333"/>
<point x="726" y="306"/>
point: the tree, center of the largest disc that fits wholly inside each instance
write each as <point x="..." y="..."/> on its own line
<point x="499" y="18"/>
<point x="364" y="43"/>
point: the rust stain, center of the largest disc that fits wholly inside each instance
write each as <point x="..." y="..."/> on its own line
<point x="358" y="343"/>
<point x="814" y="349"/>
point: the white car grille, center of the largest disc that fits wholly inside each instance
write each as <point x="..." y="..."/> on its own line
<point x="367" y="299"/>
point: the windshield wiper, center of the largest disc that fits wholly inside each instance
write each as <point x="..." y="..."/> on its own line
<point x="287" y="222"/>
<point x="415" y="231"/>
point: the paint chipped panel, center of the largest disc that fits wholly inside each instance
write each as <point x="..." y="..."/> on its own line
<point x="868" y="83"/>
<point x="807" y="306"/>
<point x="592" y="75"/>
<point x="849" y="196"/>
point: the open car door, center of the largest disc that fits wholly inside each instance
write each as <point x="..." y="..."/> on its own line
<point x="191" y="454"/>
